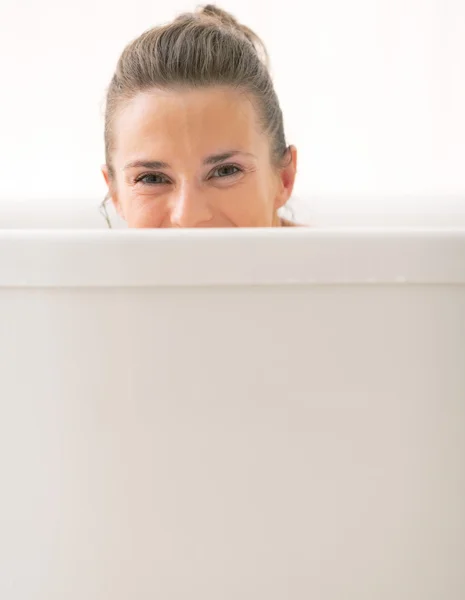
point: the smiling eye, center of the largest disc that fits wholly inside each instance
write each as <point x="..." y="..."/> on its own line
<point x="152" y="179"/>
<point x="226" y="171"/>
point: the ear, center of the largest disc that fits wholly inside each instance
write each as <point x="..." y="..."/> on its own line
<point x="111" y="190"/>
<point x="287" y="175"/>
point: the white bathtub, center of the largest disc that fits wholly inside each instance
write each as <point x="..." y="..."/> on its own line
<point x="216" y="415"/>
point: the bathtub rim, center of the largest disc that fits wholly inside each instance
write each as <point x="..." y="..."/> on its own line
<point x="212" y="257"/>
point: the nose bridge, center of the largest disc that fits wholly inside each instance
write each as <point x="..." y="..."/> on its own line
<point x="189" y="207"/>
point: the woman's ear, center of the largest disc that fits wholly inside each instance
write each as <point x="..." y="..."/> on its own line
<point x="111" y="190"/>
<point x="287" y="175"/>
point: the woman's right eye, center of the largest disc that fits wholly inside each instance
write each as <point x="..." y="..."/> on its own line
<point x="152" y="179"/>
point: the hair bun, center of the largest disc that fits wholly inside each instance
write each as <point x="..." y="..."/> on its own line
<point x="225" y="18"/>
<point x="214" y="11"/>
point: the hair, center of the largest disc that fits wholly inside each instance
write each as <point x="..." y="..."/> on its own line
<point x="201" y="49"/>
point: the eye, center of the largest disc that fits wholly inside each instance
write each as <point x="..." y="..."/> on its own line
<point x="151" y="179"/>
<point x="226" y="171"/>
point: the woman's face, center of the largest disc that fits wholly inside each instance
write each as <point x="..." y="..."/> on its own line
<point x="195" y="158"/>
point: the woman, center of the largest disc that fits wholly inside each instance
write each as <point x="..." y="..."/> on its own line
<point x="194" y="133"/>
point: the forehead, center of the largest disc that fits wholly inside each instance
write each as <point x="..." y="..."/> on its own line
<point x="161" y="123"/>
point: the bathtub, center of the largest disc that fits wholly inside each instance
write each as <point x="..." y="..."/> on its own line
<point x="252" y="414"/>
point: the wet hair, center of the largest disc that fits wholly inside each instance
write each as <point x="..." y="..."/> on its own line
<point x="197" y="50"/>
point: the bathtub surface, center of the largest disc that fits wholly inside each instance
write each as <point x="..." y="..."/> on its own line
<point x="237" y="414"/>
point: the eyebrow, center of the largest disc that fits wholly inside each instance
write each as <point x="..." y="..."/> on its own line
<point x="210" y="160"/>
<point x="216" y="158"/>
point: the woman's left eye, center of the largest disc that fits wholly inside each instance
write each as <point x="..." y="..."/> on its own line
<point x="226" y="171"/>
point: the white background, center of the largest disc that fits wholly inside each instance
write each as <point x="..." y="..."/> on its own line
<point x="373" y="92"/>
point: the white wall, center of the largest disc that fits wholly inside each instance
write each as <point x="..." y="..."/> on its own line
<point x="373" y="91"/>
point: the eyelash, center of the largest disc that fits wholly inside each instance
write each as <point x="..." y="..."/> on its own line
<point x="143" y="175"/>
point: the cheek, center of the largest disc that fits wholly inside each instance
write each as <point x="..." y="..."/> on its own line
<point x="143" y="211"/>
<point x="138" y="210"/>
<point x="248" y="204"/>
